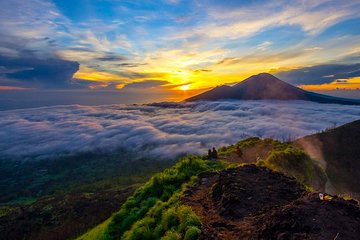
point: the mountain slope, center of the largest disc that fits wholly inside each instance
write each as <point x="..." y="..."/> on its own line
<point x="251" y="202"/>
<point x="265" y="86"/>
<point x="202" y="199"/>
<point x="337" y="150"/>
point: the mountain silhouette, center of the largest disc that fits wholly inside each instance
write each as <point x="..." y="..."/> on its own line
<point x="265" y="86"/>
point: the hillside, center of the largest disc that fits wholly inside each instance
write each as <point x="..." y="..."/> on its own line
<point x="265" y="86"/>
<point x="266" y="196"/>
<point x="253" y="202"/>
<point x="269" y="191"/>
<point x="59" y="217"/>
<point x="337" y="150"/>
<point x="63" y="198"/>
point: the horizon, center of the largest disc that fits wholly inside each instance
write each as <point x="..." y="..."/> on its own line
<point x="104" y="52"/>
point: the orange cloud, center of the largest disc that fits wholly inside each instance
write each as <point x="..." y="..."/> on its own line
<point x="8" y="88"/>
<point x="351" y="84"/>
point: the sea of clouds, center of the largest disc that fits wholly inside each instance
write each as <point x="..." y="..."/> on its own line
<point x="160" y="130"/>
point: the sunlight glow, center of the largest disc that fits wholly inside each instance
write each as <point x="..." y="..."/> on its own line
<point x="185" y="87"/>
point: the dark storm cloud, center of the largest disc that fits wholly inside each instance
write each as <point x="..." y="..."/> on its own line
<point x="27" y="70"/>
<point x="320" y="74"/>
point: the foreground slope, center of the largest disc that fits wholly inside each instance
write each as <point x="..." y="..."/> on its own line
<point x="59" y="217"/>
<point x="252" y="202"/>
<point x="265" y="86"/>
<point x="222" y="199"/>
<point x="338" y="151"/>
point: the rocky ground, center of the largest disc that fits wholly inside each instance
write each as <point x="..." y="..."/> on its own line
<point x="251" y="202"/>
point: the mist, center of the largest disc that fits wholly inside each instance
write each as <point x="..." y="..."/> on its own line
<point x="161" y="131"/>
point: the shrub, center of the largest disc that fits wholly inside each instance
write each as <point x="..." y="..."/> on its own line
<point x="169" y="219"/>
<point x="171" y="235"/>
<point x="296" y="163"/>
<point x="192" y="233"/>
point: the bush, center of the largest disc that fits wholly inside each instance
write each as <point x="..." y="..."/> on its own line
<point x="171" y="235"/>
<point x="169" y="219"/>
<point x="192" y="233"/>
<point x="296" y="163"/>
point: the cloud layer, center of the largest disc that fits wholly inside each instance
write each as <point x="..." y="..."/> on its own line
<point x="320" y="74"/>
<point x="161" y="130"/>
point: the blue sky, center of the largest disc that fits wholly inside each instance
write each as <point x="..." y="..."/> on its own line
<point x="176" y="45"/>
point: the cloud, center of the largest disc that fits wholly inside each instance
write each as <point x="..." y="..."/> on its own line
<point x="242" y="19"/>
<point x="264" y="45"/>
<point x="261" y="57"/>
<point x="160" y="130"/>
<point x="111" y="57"/>
<point x="313" y="49"/>
<point x="146" y="84"/>
<point x="320" y="74"/>
<point x="29" y="71"/>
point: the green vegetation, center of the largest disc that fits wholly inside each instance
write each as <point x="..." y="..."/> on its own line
<point x="96" y="232"/>
<point x="243" y="144"/>
<point x="284" y="157"/>
<point x="23" y="182"/>
<point x="296" y="163"/>
<point x="155" y="211"/>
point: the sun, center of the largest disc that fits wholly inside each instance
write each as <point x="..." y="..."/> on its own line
<point x="185" y="87"/>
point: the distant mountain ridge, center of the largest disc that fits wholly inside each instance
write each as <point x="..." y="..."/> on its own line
<point x="265" y="86"/>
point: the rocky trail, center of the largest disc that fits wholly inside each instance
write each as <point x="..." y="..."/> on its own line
<point x="252" y="202"/>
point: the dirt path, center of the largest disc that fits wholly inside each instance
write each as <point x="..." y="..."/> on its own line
<point x="251" y="202"/>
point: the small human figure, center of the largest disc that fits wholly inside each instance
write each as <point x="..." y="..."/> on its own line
<point x="209" y="154"/>
<point x="214" y="153"/>
<point x="238" y="151"/>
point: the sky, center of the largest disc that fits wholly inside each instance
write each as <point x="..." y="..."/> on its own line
<point x="104" y="51"/>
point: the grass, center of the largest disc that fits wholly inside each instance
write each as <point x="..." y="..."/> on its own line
<point x="155" y="211"/>
<point x="242" y="144"/>
<point x="294" y="162"/>
<point x="251" y="142"/>
<point x="97" y="232"/>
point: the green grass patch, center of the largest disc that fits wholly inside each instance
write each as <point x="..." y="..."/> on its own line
<point x="97" y="232"/>
<point x="296" y="163"/>
<point x="225" y="150"/>
<point x="287" y="159"/>
<point x="155" y="211"/>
